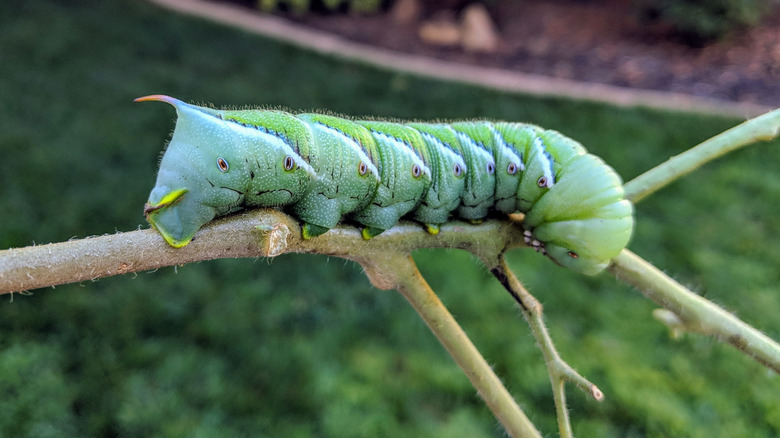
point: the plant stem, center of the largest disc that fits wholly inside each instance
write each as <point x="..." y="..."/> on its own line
<point x="268" y="232"/>
<point x="765" y="127"/>
<point x="415" y="289"/>
<point x="695" y="313"/>
<point x="558" y="370"/>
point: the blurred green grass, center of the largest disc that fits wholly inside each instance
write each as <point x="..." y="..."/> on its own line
<point x="303" y="345"/>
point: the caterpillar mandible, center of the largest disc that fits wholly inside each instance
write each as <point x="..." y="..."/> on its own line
<point x="323" y="168"/>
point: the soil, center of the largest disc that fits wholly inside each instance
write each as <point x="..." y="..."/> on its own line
<point x="601" y="42"/>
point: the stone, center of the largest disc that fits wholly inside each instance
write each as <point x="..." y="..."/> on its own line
<point x="406" y="11"/>
<point x="478" y="32"/>
<point x="441" y="30"/>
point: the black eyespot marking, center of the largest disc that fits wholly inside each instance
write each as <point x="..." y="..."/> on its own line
<point x="457" y="170"/>
<point x="542" y="182"/>
<point x="416" y="171"/>
<point x="511" y="168"/>
<point x="362" y="168"/>
<point x="288" y="163"/>
<point x="222" y="164"/>
<point x="490" y="167"/>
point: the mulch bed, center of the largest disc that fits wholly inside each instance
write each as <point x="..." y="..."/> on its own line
<point x="601" y="42"/>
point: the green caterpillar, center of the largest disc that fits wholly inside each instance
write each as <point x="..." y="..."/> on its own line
<point x="322" y="168"/>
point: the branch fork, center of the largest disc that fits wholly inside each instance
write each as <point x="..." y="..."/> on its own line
<point x="387" y="262"/>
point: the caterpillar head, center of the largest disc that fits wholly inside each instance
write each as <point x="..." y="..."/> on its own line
<point x="583" y="220"/>
<point x="206" y="171"/>
<point x="183" y="200"/>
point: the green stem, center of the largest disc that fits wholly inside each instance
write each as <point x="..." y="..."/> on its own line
<point x="558" y="370"/>
<point x="765" y="127"/>
<point x="694" y="312"/>
<point x="562" y="412"/>
<point x="416" y="290"/>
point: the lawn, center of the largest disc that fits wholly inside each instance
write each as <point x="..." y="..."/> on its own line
<point x="303" y="345"/>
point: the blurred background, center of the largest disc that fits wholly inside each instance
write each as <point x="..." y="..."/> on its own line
<point x="723" y="49"/>
<point x="302" y="345"/>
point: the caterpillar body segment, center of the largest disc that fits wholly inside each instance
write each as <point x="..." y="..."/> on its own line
<point x="324" y="169"/>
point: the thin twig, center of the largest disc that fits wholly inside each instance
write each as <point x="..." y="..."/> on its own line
<point x="695" y="313"/>
<point x="400" y="269"/>
<point x="558" y="370"/>
<point x="761" y="128"/>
